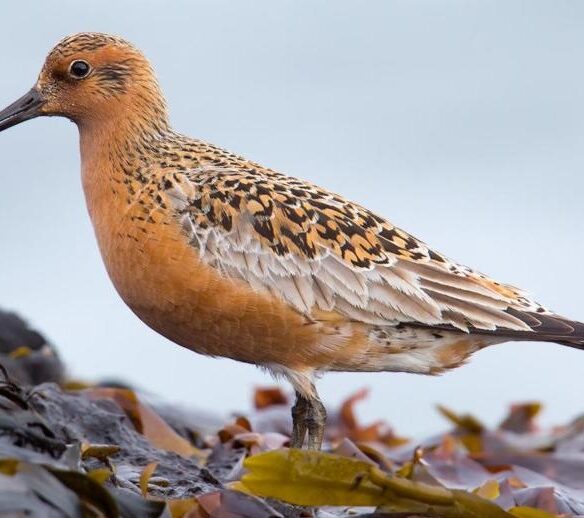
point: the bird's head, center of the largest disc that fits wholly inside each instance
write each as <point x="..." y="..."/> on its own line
<point x="93" y="78"/>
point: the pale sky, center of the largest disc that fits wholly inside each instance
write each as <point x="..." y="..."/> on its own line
<point x="460" y="121"/>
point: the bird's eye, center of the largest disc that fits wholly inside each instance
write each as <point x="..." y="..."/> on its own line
<point x="79" y="69"/>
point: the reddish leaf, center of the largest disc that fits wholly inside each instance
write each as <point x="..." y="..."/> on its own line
<point x="269" y="396"/>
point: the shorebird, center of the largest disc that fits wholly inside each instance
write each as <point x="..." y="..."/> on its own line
<point x="229" y="258"/>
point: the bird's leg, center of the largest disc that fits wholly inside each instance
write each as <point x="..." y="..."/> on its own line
<point x="299" y="412"/>
<point x="315" y="421"/>
<point x="308" y="415"/>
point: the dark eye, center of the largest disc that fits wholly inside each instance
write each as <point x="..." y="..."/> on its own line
<point x="79" y="69"/>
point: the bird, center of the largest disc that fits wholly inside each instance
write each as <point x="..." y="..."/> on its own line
<point x="230" y="258"/>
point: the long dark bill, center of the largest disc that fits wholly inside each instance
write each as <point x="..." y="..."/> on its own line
<point x="25" y="108"/>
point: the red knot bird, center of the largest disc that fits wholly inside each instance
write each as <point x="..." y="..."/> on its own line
<point x="229" y="258"/>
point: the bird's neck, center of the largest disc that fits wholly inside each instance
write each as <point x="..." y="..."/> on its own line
<point x="123" y="137"/>
<point x="123" y="126"/>
<point x="125" y="122"/>
<point x="114" y="151"/>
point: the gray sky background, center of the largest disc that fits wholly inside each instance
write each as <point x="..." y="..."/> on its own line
<point x="461" y="121"/>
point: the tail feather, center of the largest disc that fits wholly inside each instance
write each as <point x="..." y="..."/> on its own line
<point x="545" y="327"/>
<point x="552" y="328"/>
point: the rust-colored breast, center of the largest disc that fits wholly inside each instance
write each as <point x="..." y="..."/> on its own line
<point x="159" y="275"/>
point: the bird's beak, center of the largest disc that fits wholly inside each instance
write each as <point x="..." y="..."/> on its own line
<point x="25" y="108"/>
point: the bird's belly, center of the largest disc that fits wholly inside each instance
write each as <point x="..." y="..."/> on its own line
<point x="162" y="279"/>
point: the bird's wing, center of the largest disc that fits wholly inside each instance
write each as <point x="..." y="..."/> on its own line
<point x="319" y="251"/>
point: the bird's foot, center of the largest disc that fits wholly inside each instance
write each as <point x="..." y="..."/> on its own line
<point x="308" y="418"/>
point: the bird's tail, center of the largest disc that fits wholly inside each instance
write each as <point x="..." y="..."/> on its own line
<point x="577" y="343"/>
<point x="545" y="327"/>
<point x="549" y="327"/>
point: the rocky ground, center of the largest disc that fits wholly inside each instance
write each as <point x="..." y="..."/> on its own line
<point x="69" y="449"/>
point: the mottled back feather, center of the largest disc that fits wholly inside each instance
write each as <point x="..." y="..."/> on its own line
<point x="317" y="250"/>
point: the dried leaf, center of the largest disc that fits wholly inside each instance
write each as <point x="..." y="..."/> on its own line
<point x="145" y="477"/>
<point x="181" y="508"/>
<point x="100" y="475"/>
<point x="376" y="456"/>
<point x="98" y="451"/>
<point x="243" y="422"/>
<point x="407" y="470"/>
<point x="147" y="422"/>
<point x="228" y="432"/>
<point x="269" y="396"/>
<point x="465" y="422"/>
<point x="73" y="385"/>
<point x="311" y="478"/>
<point x="231" y="504"/>
<point x="489" y="490"/>
<point x="20" y="352"/>
<point x="350" y="427"/>
<point x="521" y="418"/>
<point x="316" y="479"/>
<point x="530" y="512"/>
<point x="9" y="466"/>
